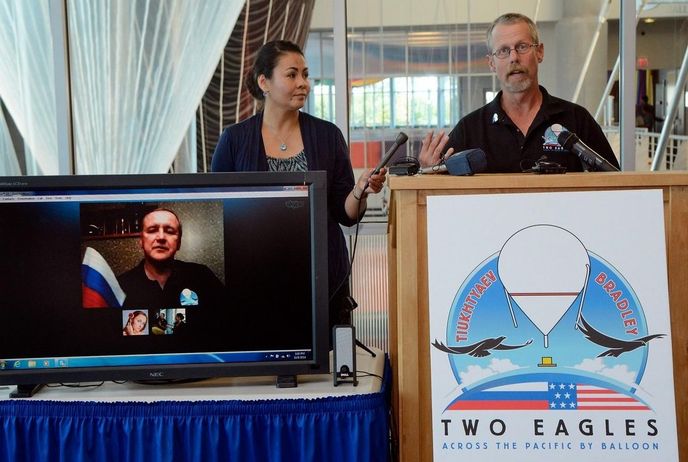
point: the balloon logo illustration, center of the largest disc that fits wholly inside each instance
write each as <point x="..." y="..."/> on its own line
<point x="544" y="269"/>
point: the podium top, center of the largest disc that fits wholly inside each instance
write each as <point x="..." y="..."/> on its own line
<point x="574" y="180"/>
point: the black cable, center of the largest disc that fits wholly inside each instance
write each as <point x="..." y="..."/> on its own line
<point x="368" y="374"/>
<point x="75" y="385"/>
<point x="542" y="165"/>
<point x="353" y="247"/>
<point x="526" y="165"/>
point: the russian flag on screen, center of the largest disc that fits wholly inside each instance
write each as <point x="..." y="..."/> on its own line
<point x="99" y="285"/>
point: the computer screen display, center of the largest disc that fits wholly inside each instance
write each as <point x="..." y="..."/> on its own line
<point x="162" y="276"/>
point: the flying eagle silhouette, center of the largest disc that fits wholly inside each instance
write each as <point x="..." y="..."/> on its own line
<point x="479" y="349"/>
<point x="616" y="346"/>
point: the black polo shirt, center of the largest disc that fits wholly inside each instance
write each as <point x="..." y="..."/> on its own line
<point x="508" y="150"/>
<point x="189" y="285"/>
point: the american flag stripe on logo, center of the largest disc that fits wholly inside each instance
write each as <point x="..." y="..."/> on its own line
<point x="555" y="396"/>
<point x="600" y="399"/>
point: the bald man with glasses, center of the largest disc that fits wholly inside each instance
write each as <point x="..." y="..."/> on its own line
<point x="520" y="125"/>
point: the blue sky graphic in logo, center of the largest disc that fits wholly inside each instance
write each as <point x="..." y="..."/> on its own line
<point x="550" y="326"/>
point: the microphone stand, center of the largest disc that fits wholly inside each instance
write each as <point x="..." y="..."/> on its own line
<point x="353" y="304"/>
<point x="362" y="345"/>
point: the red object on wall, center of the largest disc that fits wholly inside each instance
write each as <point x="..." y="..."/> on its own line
<point x="365" y="154"/>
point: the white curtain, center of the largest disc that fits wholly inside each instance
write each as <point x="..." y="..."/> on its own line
<point x="185" y="161"/>
<point x="139" y="69"/>
<point x="27" y="81"/>
<point x="8" y="157"/>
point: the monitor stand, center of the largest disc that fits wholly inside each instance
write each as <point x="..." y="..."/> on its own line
<point x="26" y="390"/>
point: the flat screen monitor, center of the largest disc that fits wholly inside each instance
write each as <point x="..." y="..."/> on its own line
<point x="162" y="277"/>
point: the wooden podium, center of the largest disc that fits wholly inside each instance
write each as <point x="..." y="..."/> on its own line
<point x="408" y="282"/>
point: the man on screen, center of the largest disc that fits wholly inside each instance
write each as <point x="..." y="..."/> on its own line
<point x="160" y="280"/>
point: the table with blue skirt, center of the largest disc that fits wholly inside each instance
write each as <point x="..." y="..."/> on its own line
<point x="223" y="419"/>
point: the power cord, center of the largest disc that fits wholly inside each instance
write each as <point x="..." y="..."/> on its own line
<point x="368" y="374"/>
<point x="75" y="385"/>
<point x="542" y="165"/>
<point x="352" y="302"/>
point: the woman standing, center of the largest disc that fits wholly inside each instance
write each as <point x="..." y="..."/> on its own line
<point x="282" y="138"/>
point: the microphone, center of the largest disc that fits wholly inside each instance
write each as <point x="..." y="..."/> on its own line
<point x="401" y="139"/>
<point x="571" y="142"/>
<point x="462" y="163"/>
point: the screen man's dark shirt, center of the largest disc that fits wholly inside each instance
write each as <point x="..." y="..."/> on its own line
<point x="188" y="283"/>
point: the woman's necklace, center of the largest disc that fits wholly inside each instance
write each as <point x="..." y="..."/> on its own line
<point x="283" y="142"/>
<point x="283" y="146"/>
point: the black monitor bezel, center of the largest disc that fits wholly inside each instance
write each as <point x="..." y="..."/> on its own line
<point x="318" y="364"/>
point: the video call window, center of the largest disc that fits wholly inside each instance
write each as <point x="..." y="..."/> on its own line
<point x="152" y="260"/>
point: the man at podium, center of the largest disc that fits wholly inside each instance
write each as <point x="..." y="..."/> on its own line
<point x="520" y="126"/>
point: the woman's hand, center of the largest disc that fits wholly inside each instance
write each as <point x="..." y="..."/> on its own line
<point x="368" y="183"/>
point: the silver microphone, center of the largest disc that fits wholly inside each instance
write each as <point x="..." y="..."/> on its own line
<point x="434" y="169"/>
<point x="462" y="163"/>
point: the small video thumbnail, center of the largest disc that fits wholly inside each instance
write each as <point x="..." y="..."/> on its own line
<point x="134" y="322"/>
<point x="169" y="321"/>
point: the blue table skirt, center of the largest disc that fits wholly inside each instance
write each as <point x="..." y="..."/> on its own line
<point x="350" y="428"/>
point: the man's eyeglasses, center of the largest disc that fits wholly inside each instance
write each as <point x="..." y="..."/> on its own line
<point x="521" y="49"/>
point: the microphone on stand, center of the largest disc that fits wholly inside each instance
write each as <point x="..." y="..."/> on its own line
<point x="572" y="143"/>
<point x="462" y="163"/>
